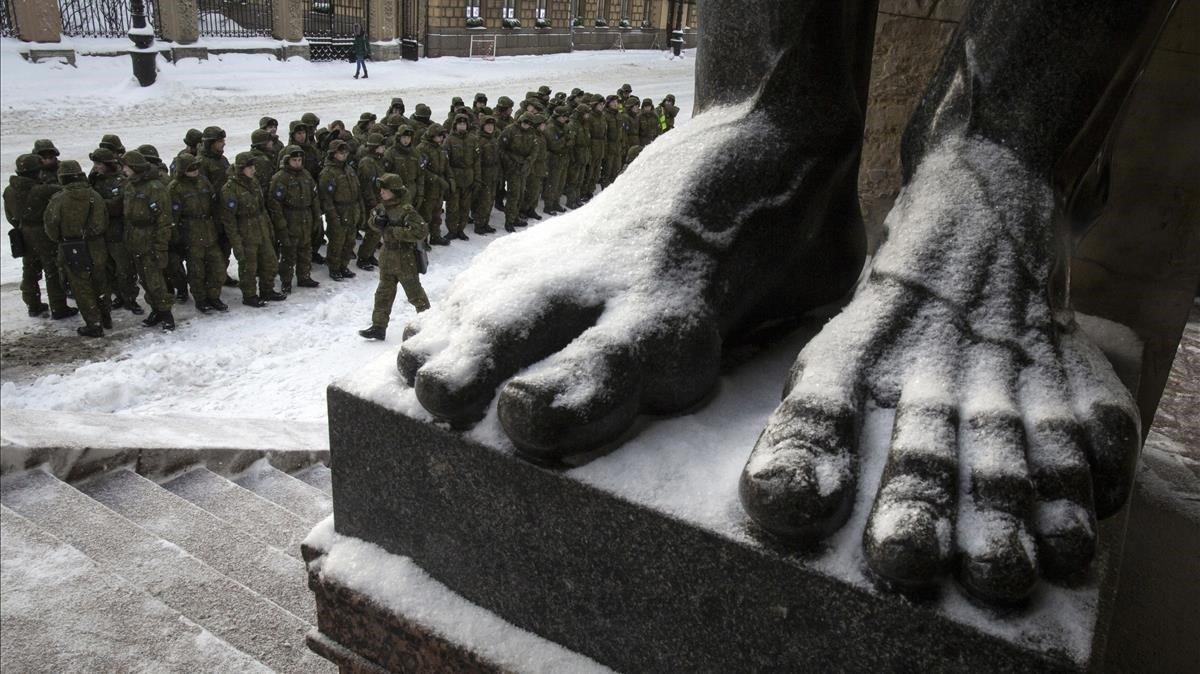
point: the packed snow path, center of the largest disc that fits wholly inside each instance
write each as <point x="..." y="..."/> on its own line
<point x="260" y="363"/>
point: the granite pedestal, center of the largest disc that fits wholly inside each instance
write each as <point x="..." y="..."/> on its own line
<point x="642" y="560"/>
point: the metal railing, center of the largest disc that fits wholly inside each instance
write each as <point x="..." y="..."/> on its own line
<point x="235" y="18"/>
<point x="8" y="19"/>
<point x="329" y="27"/>
<point x="103" y="18"/>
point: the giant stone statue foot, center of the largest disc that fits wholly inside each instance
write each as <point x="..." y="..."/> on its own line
<point x="1011" y="433"/>
<point x="621" y="306"/>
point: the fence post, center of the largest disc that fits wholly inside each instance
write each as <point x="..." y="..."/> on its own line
<point x="180" y="21"/>
<point x="38" y="20"/>
<point x="381" y="20"/>
<point x="287" y="20"/>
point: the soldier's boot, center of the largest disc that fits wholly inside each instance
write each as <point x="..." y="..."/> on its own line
<point x="374" y="332"/>
<point x="374" y="261"/>
<point x="167" y="319"/>
<point x="317" y="258"/>
<point x="64" y="313"/>
<point x="346" y="273"/>
<point x="308" y="283"/>
<point x="203" y="306"/>
<point x="285" y="287"/>
<point x="439" y="240"/>
<point x="134" y="308"/>
<point x="230" y="282"/>
<point x="254" y="301"/>
<point x="273" y="296"/>
<point x="218" y="304"/>
<point x="336" y="275"/>
<point x="461" y="236"/>
<point x="483" y="230"/>
<point x="106" y="318"/>
<point x="90" y="331"/>
<point x="39" y="309"/>
<point x="365" y="265"/>
<point x="153" y="319"/>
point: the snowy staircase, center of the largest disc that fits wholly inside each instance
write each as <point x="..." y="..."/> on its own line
<point x="194" y="573"/>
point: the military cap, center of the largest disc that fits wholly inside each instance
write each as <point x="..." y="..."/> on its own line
<point x="504" y="102"/>
<point x="397" y="102"/>
<point x="374" y="140"/>
<point x="537" y="118"/>
<point x="560" y="96"/>
<point x="611" y="98"/>
<point x="267" y="121"/>
<point x="405" y="130"/>
<point x="625" y="87"/>
<point x="435" y="130"/>
<point x="576" y="91"/>
<point x="113" y="142"/>
<point x="44" y="146"/>
<point x="670" y="98"/>
<point x="29" y="163"/>
<point x="368" y="117"/>
<point x="310" y="120"/>
<point x="150" y="153"/>
<point x="259" y="137"/>
<point x="321" y="133"/>
<point x="481" y="97"/>
<point x="647" y="103"/>
<point x="525" y="118"/>
<point x="186" y="162"/>
<point x="487" y="119"/>
<point x="69" y="167"/>
<point x="213" y="133"/>
<point x="633" y="102"/>
<point x="422" y="111"/>
<point x="543" y="90"/>
<point x="243" y="159"/>
<point x="460" y="117"/>
<point x="391" y="181"/>
<point x="134" y="160"/>
<point x="456" y="102"/>
<point x="297" y="125"/>
<point x="103" y="155"/>
<point x="583" y="109"/>
<point x="347" y="136"/>
<point x="293" y="151"/>
<point x="339" y="146"/>
<point x="192" y="137"/>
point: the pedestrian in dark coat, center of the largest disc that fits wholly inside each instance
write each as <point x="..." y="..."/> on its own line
<point x="361" y="50"/>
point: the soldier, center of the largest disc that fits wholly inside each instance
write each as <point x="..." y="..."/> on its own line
<point x="543" y="95"/>
<point x="48" y="154"/>
<point x="192" y="202"/>
<point x="341" y="199"/>
<point x="148" y="233"/>
<point x="478" y="104"/>
<point x="394" y="117"/>
<point x="504" y="106"/>
<point x="462" y="151"/>
<point x="311" y="121"/>
<point x="580" y="156"/>
<point x="614" y="144"/>
<point x="537" y="169"/>
<point x="271" y="126"/>
<point x="629" y="123"/>
<point x="436" y="176"/>
<point x="647" y="123"/>
<point x="249" y="229"/>
<point x="293" y="205"/>
<point x="420" y="121"/>
<point x="598" y="130"/>
<point x="264" y="162"/>
<point x="112" y="143"/>
<point x="370" y="168"/>
<point x="362" y="127"/>
<point x="402" y="159"/>
<point x="560" y="141"/>
<point x="516" y="156"/>
<point x="489" y="175"/>
<point x="108" y="180"/>
<point x="298" y="135"/>
<point x="191" y="146"/>
<point x="25" y="200"/>
<point x="215" y="167"/>
<point x="174" y="273"/>
<point x="76" y="219"/>
<point x="402" y="230"/>
<point x="669" y="112"/>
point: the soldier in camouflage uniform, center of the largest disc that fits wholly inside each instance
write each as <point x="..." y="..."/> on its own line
<point x="560" y="142"/>
<point x="489" y="175"/>
<point x="147" y="208"/>
<point x="191" y="147"/>
<point x="462" y="152"/>
<point x="537" y="169"/>
<point x="264" y="162"/>
<point x="341" y="199"/>
<point x="669" y="112"/>
<point x="629" y="121"/>
<point x="45" y="150"/>
<point x="402" y="159"/>
<point x="77" y="214"/>
<point x="614" y="142"/>
<point x="215" y="167"/>
<point x="580" y="156"/>
<point x="193" y="203"/>
<point x="647" y="123"/>
<point x="394" y="117"/>
<point x="363" y="127"/>
<point x="271" y="126"/>
<point x="108" y="180"/>
<point x="420" y="121"/>
<point x="112" y="143"/>
<point x="436" y="176"/>
<point x="294" y="205"/>
<point x="25" y="200"/>
<point x="516" y="157"/>
<point x="370" y="168"/>
<point x="250" y="232"/>
<point x="402" y="231"/>
<point x="174" y="273"/>
<point x="598" y="130"/>
<point x="504" y="109"/>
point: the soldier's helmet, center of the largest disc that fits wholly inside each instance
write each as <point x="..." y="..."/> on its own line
<point x="193" y="137"/>
<point x="212" y="133"/>
<point x="242" y="160"/>
<point x="69" y="168"/>
<point x="112" y="142"/>
<point x="543" y="90"/>
<point x="576" y="91"/>
<point x="186" y="162"/>
<point x="338" y="146"/>
<point x="44" y="146"/>
<point x="560" y="96"/>
<point x="259" y="137"/>
<point x="103" y="155"/>
<point x="310" y="120"/>
<point x="150" y="153"/>
<point x="422" y="111"/>
<point x="504" y="102"/>
<point x="293" y="151"/>
<point x="374" y="139"/>
<point x="562" y="111"/>
<point x="611" y="98"/>
<point x="297" y="125"/>
<point x="434" y="131"/>
<point x="391" y="181"/>
<point x="367" y="117"/>
<point x="321" y="133"/>
<point x="626" y="88"/>
<point x="268" y="121"/>
<point x="134" y="160"/>
<point x="28" y="163"/>
<point x="405" y="130"/>
<point x="537" y="118"/>
<point x="481" y="97"/>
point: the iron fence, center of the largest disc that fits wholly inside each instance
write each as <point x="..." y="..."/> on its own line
<point x="103" y="18"/>
<point x="8" y="19"/>
<point x="235" y="18"/>
<point x="330" y="25"/>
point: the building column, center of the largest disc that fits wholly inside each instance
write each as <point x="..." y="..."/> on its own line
<point x="287" y="20"/>
<point x="38" y="20"/>
<point x="382" y="23"/>
<point x="180" y="21"/>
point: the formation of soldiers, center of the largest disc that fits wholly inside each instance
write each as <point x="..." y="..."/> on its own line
<point x="388" y="183"/>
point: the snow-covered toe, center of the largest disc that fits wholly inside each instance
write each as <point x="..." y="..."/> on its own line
<point x="1012" y="432"/>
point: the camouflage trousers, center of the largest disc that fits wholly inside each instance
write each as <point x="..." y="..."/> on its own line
<point x="430" y="209"/>
<point x="122" y="272"/>
<point x="41" y="260"/>
<point x="516" y="191"/>
<point x="458" y="205"/>
<point x="595" y="168"/>
<point x="614" y="161"/>
<point x="90" y="287"/>
<point x="533" y="190"/>
<point x="385" y="295"/>
<point x="485" y="199"/>
<point x="370" y="244"/>
<point x="341" y="230"/>
<point x="205" y="270"/>
<point x="556" y="179"/>
<point x="295" y="254"/>
<point x="150" y="261"/>
<point x="256" y="262"/>
<point x="577" y="172"/>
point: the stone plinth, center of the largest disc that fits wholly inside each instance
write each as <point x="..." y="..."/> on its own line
<point x="642" y="560"/>
<point x="38" y="20"/>
<point x="39" y="54"/>
<point x="287" y="18"/>
<point x="180" y="21"/>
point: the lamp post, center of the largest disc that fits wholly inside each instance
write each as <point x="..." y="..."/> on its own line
<point x="144" y="68"/>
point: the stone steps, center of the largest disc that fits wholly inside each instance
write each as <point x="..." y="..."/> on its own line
<point x="318" y="475"/>
<point x="220" y="558"/>
<point x="304" y="500"/>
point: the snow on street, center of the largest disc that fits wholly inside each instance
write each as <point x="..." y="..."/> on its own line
<point x="249" y="363"/>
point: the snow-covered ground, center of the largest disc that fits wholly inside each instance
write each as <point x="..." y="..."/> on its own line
<point x="258" y="363"/>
